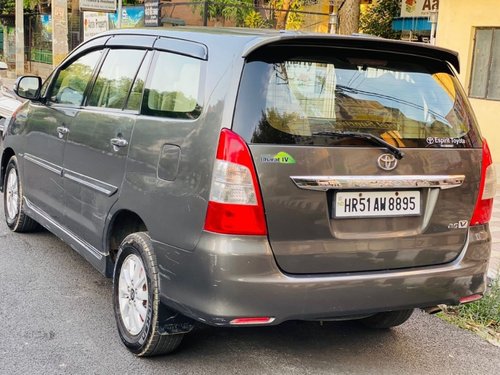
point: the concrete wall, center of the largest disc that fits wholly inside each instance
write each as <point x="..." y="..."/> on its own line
<point x="39" y="69"/>
<point x="455" y="30"/>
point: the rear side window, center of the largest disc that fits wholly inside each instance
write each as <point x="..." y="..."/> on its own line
<point x="115" y="78"/>
<point x="310" y="97"/>
<point x="174" y="87"/>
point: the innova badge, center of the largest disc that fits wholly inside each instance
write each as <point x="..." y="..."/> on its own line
<point x="387" y="162"/>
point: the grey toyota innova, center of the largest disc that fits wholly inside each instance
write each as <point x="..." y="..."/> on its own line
<point x="244" y="178"/>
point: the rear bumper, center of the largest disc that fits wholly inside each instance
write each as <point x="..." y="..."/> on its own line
<point x="227" y="277"/>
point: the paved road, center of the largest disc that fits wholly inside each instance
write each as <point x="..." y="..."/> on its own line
<point x="56" y="318"/>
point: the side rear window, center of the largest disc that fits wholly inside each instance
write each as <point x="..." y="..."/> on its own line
<point x="311" y="96"/>
<point x="173" y="89"/>
<point x="115" y="78"/>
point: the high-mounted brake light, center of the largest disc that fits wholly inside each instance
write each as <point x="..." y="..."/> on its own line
<point x="235" y="204"/>
<point x="487" y="189"/>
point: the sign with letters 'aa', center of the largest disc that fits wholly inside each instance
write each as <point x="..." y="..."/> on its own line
<point x="418" y="8"/>
<point x="152" y="13"/>
<point x="98" y="5"/>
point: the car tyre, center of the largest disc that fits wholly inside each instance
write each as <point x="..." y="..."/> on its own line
<point x="13" y="200"/>
<point x="387" y="319"/>
<point x="136" y="299"/>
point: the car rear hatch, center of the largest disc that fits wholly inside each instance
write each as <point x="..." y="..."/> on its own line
<point x="367" y="160"/>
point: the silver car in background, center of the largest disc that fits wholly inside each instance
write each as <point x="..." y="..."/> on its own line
<point x="9" y="102"/>
<point x="243" y="178"/>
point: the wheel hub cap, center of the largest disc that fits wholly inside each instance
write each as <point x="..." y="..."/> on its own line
<point x="12" y="195"/>
<point x="133" y="294"/>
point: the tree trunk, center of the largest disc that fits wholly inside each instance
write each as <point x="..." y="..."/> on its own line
<point x="282" y="15"/>
<point x="349" y="17"/>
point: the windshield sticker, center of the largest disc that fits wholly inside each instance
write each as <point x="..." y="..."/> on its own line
<point x="462" y="224"/>
<point x="280" y="158"/>
<point x="445" y="141"/>
<point x="365" y="124"/>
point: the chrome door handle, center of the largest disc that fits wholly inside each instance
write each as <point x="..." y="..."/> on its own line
<point x="118" y="143"/>
<point x="62" y="130"/>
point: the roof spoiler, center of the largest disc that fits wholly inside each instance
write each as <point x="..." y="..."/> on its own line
<point x="362" y="42"/>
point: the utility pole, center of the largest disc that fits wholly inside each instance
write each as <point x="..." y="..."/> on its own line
<point x="119" y="15"/>
<point x="433" y="18"/>
<point x="19" y="38"/>
<point x="59" y="31"/>
<point x="334" y="16"/>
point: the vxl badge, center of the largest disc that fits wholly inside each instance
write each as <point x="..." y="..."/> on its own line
<point x="387" y="162"/>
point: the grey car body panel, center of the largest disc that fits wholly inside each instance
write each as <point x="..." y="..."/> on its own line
<point x="164" y="174"/>
<point x="43" y="158"/>
<point x="93" y="255"/>
<point x="241" y="278"/>
<point x="185" y="198"/>
<point x="94" y="169"/>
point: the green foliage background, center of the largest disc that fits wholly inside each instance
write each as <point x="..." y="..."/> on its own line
<point x="378" y="19"/>
<point x="7" y="7"/>
<point x="245" y="13"/>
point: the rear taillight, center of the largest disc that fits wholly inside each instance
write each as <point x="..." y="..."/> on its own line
<point x="235" y="203"/>
<point x="487" y="188"/>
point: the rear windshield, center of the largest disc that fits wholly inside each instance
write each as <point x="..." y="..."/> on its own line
<point x="311" y="97"/>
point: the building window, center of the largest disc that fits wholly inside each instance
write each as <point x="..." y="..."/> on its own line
<point x="485" y="78"/>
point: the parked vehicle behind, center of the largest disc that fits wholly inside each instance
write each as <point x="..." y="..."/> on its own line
<point x="243" y="178"/>
<point x="8" y="100"/>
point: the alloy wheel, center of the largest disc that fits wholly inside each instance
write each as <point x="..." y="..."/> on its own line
<point x="133" y="294"/>
<point x="12" y="195"/>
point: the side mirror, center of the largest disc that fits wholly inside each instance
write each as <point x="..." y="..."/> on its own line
<point x="3" y="66"/>
<point x="28" y="87"/>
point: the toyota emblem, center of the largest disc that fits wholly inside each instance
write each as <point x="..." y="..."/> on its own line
<point x="387" y="162"/>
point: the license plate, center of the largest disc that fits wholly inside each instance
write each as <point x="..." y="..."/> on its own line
<point x="377" y="204"/>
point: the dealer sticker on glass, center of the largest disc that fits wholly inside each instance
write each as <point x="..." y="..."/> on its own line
<point x="377" y="204"/>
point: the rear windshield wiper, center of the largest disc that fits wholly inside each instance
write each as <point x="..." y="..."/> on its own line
<point x="366" y="136"/>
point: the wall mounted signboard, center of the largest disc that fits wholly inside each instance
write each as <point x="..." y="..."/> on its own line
<point x="98" y="5"/>
<point x="418" y="8"/>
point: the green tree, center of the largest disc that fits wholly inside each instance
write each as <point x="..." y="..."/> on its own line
<point x="282" y="13"/>
<point x="221" y="11"/>
<point x="254" y="20"/>
<point x="7" y="7"/>
<point x="378" y="19"/>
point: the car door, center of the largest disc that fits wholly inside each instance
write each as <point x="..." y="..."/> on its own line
<point x="97" y="146"/>
<point x="46" y="133"/>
